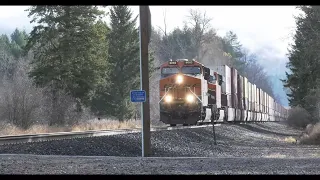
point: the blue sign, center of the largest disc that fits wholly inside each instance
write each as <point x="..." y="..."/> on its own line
<point x="138" y="96"/>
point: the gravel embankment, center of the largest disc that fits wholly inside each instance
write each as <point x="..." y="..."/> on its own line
<point x="30" y="164"/>
<point x="241" y="149"/>
<point x="246" y="140"/>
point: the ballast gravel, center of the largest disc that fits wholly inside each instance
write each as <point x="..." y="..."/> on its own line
<point x="241" y="149"/>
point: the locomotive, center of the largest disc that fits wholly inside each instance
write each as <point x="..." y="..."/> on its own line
<point x="192" y="93"/>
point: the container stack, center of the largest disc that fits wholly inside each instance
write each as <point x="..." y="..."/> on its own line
<point x="258" y="104"/>
<point x="240" y="93"/>
<point x="234" y="88"/>
<point x="254" y="89"/>
<point x="249" y="101"/>
<point x="225" y="71"/>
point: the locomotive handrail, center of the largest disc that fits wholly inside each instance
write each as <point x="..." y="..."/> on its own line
<point x="165" y="95"/>
<point x="194" y="94"/>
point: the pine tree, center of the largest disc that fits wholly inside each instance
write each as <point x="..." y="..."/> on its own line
<point x="304" y="59"/>
<point x="124" y="61"/>
<point x="70" y="51"/>
<point x="232" y="46"/>
<point x="18" y="42"/>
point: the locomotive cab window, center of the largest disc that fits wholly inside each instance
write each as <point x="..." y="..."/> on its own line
<point x="192" y="70"/>
<point x="212" y="79"/>
<point x="167" y="71"/>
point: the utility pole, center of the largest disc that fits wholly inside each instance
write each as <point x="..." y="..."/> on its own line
<point x="145" y="32"/>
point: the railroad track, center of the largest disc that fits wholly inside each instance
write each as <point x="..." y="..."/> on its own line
<point x="13" y="139"/>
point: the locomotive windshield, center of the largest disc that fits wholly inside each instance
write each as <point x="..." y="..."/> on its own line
<point x="167" y="71"/>
<point x="193" y="70"/>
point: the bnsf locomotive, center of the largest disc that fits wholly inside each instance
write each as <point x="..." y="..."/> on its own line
<point x="191" y="93"/>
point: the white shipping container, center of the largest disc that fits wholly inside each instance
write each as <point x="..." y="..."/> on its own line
<point x="226" y="72"/>
<point x="258" y="100"/>
<point x="240" y="93"/>
<point x="249" y="96"/>
<point x="245" y="93"/>
<point x="268" y="105"/>
<point x="254" y="89"/>
<point x="265" y="102"/>
<point x="261" y="97"/>
<point x="271" y="109"/>
<point x="262" y="100"/>
<point x="245" y="87"/>
<point x="247" y="103"/>
<point x="234" y="88"/>
<point x="261" y="103"/>
<point x="235" y="80"/>
<point x="229" y="101"/>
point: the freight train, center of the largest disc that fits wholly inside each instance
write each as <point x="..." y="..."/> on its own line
<point x="192" y="93"/>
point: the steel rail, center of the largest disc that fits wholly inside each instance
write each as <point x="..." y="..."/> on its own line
<point x="25" y="138"/>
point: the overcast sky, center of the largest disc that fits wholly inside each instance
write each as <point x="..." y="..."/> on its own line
<point x="264" y="30"/>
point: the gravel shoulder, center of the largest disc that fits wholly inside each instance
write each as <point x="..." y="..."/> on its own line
<point x="31" y="164"/>
<point x="241" y="149"/>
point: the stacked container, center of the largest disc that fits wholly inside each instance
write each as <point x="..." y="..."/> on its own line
<point x="225" y="71"/>
<point x="245" y="100"/>
<point x="276" y="109"/>
<point x="262" y="105"/>
<point x="272" y="109"/>
<point x="258" y="101"/>
<point x="267" y="104"/>
<point x="249" y="102"/>
<point x="234" y="88"/>
<point x="269" y="110"/>
<point x="246" y="93"/>
<point x="254" y="89"/>
<point x="240" y="97"/>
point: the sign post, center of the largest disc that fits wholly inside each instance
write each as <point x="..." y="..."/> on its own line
<point x="145" y="32"/>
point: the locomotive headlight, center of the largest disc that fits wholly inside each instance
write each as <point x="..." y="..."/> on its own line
<point x="190" y="98"/>
<point x="179" y="79"/>
<point x="168" y="98"/>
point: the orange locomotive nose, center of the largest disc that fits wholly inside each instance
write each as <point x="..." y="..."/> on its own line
<point x="178" y="86"/>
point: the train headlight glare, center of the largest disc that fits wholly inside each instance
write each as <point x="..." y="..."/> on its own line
<point x="168" y="98"/>
<point x="190" y="98"/>
<point x="179" y="79"/>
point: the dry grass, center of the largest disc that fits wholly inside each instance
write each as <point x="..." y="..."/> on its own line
<point x="311" y="135"/>
<point x="290" y="140"/>
<point x="8" y="129"/>
<point x="106" y="124"/>
<point x="275" y="155"/>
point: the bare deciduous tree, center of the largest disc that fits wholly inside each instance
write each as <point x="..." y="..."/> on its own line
<point x="20" y="101"/>
<point x="200" y="24"/>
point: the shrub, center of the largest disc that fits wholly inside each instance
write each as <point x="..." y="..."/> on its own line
<point x="299" y="117"/>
